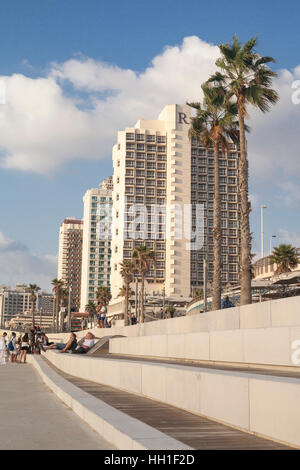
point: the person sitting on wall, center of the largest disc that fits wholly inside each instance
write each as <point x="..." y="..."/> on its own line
<point x="226" y="303"/>
<point x="63" y="347"/>
<point x="87" y="344"/>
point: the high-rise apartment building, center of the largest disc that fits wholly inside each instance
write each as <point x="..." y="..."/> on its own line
<point x="70" y="258"/>
<point x="163" y="198"/>
<point x="96" y="250"/>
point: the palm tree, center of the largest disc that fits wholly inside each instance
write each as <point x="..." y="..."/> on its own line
<point x="215" y="125"/>
<point x="197" y="293"/>
<point x="58" y="286"/>
<point x="103" y="295"/>
<point x="143" y="258"/>
<point x="127" y="293"/>
<point x="64" y="303"/>
<point x="91" y="309"/>
<point x="246" y="76"/>
<point x="127" y="272"/>
<point x="33" y="288"/>
<point x="286" y="258"/>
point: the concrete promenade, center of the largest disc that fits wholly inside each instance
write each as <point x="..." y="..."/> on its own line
<point x="33" y="418"/>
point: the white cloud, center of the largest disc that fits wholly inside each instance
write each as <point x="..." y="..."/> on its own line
<point x="44" y="123"/>
<point x="75" y="111"/>
<point x="19" y="265"/>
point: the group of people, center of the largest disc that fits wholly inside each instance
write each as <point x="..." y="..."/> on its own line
<point x="16" y="348"/>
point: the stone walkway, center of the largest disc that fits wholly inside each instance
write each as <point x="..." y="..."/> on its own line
<point x="33" y="418"/>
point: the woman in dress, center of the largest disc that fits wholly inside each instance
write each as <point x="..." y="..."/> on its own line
<point x="3" y="349"/>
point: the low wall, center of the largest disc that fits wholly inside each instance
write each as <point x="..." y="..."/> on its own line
<point x="264" y="405"/>
<point x="272" y="346"/>
<point x="274" y="313"/>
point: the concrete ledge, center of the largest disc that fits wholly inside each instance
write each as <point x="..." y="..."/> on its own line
<point x="264" y="346"/>
<point x="239" y="399"/>
<point x="121" y="430"/>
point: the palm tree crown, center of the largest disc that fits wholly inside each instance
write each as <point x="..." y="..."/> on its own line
<point x="286" y="258"/>
<point x="246" y="74"/>
<point x="103" y="295"/>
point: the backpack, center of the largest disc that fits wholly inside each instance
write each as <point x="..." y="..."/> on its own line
<point x="10" y="346"/>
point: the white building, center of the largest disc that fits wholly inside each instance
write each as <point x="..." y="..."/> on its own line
<point x="158" y="170"/>
<point x="96" y="249"/>
<point x="70" y="258"/>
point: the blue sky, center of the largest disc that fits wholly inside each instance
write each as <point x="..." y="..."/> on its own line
<point x="39" y="39"/>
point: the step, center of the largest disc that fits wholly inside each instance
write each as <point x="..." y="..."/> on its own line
<point x="251" y="401"/>
<point x="194" y="431"/>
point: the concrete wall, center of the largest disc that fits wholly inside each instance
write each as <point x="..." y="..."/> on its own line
<point x="272" y="346"/>
<point x="274" y="313"/>
<point x="266" y="405"/>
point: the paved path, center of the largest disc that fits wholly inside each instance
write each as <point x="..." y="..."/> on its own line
<point x="32" y="417"/>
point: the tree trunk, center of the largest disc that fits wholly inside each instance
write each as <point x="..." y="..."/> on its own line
<point x="126" y="319"/>
<point x="142" y="299"/>
<point x="216" y="287"/>
<point x="32" y="314"/>
<point x="57" y="312"/>
<point x="245" y="252"/>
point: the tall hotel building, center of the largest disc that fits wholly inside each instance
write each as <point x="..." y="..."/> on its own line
<point x="160" y="170"/>
<point x="96" y="250"/>
<point x="70" y="258"/>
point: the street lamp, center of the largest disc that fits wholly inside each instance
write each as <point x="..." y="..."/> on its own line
<point x="262" y="228"/>
<point x="271" y="248"/>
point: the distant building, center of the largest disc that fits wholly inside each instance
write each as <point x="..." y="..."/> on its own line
<point x="70" y="258"/>
<point x="96" y="249"/>
<point x="16" y="301"/>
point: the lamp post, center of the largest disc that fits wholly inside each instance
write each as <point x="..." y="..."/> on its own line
<point x="271" y="247"/>
<point x="262" y="228"/>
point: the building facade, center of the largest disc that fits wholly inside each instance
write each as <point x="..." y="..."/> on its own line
<point x="16" y="301"/>
<point x="96" y="249"/>
<point x="70" y="258"/>
<point x="163" y="190"/>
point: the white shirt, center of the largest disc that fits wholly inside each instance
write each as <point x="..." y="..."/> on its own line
<point x="88" y="342"/>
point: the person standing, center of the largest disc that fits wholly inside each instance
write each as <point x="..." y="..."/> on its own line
<point x="103" y="316"/>
<point x="24" y="347"/>
<point x="12" y="347"/>
<point x="3" y="349"/>
<point x="83" y="324"/>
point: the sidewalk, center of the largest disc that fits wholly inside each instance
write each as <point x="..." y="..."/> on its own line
<point x="32" y="418"/>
